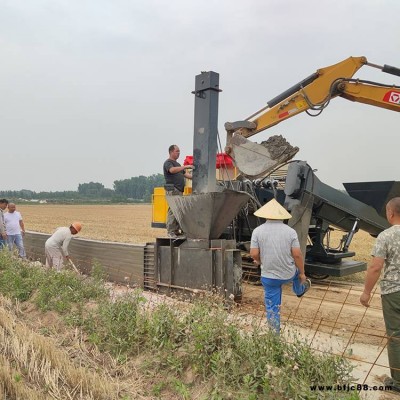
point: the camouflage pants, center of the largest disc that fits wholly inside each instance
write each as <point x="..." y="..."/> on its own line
<point x="391" y="315"/>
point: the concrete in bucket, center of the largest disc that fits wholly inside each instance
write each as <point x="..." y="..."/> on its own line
<point x="206" y="215"/>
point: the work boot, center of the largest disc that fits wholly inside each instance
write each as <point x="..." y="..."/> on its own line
<point x="307" y="285"/>
<point x="388" y="381"/>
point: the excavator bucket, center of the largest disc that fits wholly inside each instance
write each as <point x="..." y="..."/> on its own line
<point x="257" y="160"/>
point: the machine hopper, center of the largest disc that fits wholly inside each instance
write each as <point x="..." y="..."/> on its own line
<point x="375" y="194"/>
<point x="206" y="215"/>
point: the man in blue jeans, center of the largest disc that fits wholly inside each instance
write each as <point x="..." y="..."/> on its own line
<point x="276" y="247"/>
<point x="15" y="229"/>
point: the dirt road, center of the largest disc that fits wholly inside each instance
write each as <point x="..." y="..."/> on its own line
<point x="327" y="307"/>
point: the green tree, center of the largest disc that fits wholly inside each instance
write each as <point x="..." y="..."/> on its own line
<point x="91" y="189"/>
<point x="138" y="187"/>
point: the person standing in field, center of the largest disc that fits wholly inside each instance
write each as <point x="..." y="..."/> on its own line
<point x="174" y="174"/>
<point x="386" y="257"/>
<point x="276" y="247"/>
<point x="3" y="233"/>
<point x="15" y="229"/>
<point x="56" y="247"/>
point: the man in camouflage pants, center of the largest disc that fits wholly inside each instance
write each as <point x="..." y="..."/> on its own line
<point x="386" y="256"/>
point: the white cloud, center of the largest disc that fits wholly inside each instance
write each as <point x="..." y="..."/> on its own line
<point x="98" y="90"/>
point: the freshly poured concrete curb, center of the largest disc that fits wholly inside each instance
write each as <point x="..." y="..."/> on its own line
<point x="123" y="262"/>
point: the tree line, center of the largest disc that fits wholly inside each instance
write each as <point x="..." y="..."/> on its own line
<point x="135" y="189"/>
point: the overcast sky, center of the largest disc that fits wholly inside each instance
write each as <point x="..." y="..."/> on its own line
<point x="96" y="90"/>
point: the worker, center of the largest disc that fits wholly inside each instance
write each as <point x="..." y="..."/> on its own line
<point x="386" y="257"/>
<point x="15" y="229"/>
<point x="276" y="247"/>
<point x="175" y="175"/>
<point x="56" y="247"/>
<point x="3" y="233"/>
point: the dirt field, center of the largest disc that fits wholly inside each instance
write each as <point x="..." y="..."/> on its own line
<point x="128" y="223"/>
<point x="116" y="223"/>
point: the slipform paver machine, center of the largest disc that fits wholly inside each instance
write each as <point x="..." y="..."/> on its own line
<point x="217" y="217"/>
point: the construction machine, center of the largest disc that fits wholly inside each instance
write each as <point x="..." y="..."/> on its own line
<point x="217" y="217"/>
<point x="323" y="207"/>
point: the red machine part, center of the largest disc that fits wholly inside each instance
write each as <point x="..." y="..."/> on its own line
<point x="223" y="161"/>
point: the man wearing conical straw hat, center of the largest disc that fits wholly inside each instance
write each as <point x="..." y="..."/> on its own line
<point x="276" y="247"/>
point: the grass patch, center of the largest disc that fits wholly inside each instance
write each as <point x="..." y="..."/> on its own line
<point x="204" y="338"/>
<point x="63" y="291"/>
<point x="49" y="290"/>
<point x="185" y="346"/>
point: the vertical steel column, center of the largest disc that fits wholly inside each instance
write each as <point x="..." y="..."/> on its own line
<point x="205" y="132"/>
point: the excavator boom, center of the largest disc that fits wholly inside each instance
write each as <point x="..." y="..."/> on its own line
<point x="371" y="93"/>
<point x="315" y="92"/>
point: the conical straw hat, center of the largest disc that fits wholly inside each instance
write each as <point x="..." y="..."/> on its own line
<point x="272" y="210"/>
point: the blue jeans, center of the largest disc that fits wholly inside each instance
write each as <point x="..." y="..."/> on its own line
<point x="17" y="240"/>
<point x="2" y="242"/>
<point x="273" y="297"/>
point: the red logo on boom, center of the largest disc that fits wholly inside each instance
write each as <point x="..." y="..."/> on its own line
<point x="392" y="97"/>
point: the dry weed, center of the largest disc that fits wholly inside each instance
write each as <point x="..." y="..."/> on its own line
<point x="38" y="362"/>
<point x="11" y="385"/>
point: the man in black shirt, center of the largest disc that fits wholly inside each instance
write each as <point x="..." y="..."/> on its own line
<point x="175" y="175"/>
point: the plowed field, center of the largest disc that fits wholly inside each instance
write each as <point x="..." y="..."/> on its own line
<point x="116" y="223"/>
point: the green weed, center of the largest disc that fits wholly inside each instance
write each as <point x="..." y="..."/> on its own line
<point x="18" y="281"/>
<point x="157" y="389"/>
<point x="60" y="291"/>
<point x="117" y="326"/>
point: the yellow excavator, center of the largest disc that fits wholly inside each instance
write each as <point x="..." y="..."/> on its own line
<point x="312" y="95"/>
<point x="316" y="91"/>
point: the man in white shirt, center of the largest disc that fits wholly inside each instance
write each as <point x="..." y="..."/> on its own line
<point x="56" y="247"/>
<point x="15" y="229"/>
